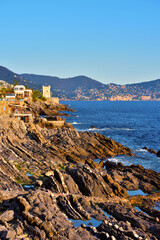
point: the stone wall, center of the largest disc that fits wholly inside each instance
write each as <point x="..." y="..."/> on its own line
<point x="55" y="99"/>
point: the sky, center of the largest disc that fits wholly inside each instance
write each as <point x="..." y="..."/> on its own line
<point x="112" y="41"/>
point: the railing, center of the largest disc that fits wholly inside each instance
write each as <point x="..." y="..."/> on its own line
<point x="11" y="100"/>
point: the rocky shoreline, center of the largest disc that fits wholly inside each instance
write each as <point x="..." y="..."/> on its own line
<point x="51" y="187"/>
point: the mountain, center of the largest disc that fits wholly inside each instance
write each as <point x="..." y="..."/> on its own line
<point x="64" y="83"/>
<point x="6" y="74"/>
<point x="85" y="88"/>
<point x="9" y="76"/>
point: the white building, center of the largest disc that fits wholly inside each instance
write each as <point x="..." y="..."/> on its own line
<point x="21" y="92"/>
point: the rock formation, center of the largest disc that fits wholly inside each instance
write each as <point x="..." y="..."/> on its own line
<point x="47" y="107"/>
<point x="51" y="188"/>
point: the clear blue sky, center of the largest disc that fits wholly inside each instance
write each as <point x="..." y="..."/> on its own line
<point x="109" y="40"/>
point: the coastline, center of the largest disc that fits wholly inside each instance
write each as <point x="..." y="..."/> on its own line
<point x="48" y="177"/>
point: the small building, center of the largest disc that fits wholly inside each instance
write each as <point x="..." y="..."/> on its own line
<point x="46" y="91"/>
<point x="10" y="96"/>
<point x="27" y="93"/>
<point x="21" y="92"/>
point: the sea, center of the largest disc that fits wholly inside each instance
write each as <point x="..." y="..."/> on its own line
<point x="134" y="124"/>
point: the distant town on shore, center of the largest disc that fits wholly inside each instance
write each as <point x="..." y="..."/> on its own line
<point x="85" y="88"/>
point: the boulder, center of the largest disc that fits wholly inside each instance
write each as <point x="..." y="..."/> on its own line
<point x="7" y="216"/>
<point x="49" y="173"/>
<point x="150" y="150"/>
<point x="158" y="153"/>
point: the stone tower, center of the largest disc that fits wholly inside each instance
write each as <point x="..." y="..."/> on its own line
<point x="46" y="91"/>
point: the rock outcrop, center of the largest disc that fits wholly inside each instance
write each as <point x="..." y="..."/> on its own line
<point x="152" y="151"/>
<point x="37" y="149"/>
<point x="47" y="108"/>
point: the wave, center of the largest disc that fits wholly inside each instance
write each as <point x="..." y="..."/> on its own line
<point x="86" y="130"/>
<point x="77" y="123"/>
<point x="120" y="129"/>
<point x="106" y="129"/>
<point x="121" y="159"/>
<point x="141" y="150"/>
<point x="116" y="160"/>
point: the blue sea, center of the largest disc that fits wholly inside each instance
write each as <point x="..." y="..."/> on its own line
<point x="134" y="124"/>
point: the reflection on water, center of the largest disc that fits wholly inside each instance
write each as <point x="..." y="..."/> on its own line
<point x="28" y="174"/>
<point x="139" y="210"/>
<point x="157" y="206"/>
<point x="28" y="186"/>
<point x="136" y="192"/>
<point x="91" y="222"/>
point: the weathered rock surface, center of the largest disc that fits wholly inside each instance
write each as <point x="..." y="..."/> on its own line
<point x="134" y="177"/>
<point x="45" y="218"/>
<point x="48" y="180"/>
<point x="29" y="147"/>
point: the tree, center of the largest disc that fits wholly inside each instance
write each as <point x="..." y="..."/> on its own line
<point x="36" y="94"/>
<point x="15" y="82"/>
<point x="3" y="92"/>
<point x="10" y="90"/>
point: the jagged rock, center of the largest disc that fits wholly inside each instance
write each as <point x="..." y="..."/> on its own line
<point x="150" y="150"/>
<point x="46" y="107"/>
<point x="36" y="148"/>
<point x="89" y="181"/>
<point x="67" y="180"/>
<point x="136" y="219"/>
<point x="134" y="177"/>
<point x="93" y="164"/>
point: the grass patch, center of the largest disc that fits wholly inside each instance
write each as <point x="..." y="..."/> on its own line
<point x="62" y="166"/>
<point x="21" y="182"/>
<point x="19" y="166"/>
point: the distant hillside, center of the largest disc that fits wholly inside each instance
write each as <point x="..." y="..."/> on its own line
<point x="66" y="84"/>
<point x="6" y="74"/>
<point x="84" y="88"/>
<point x="9" y="76"/>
